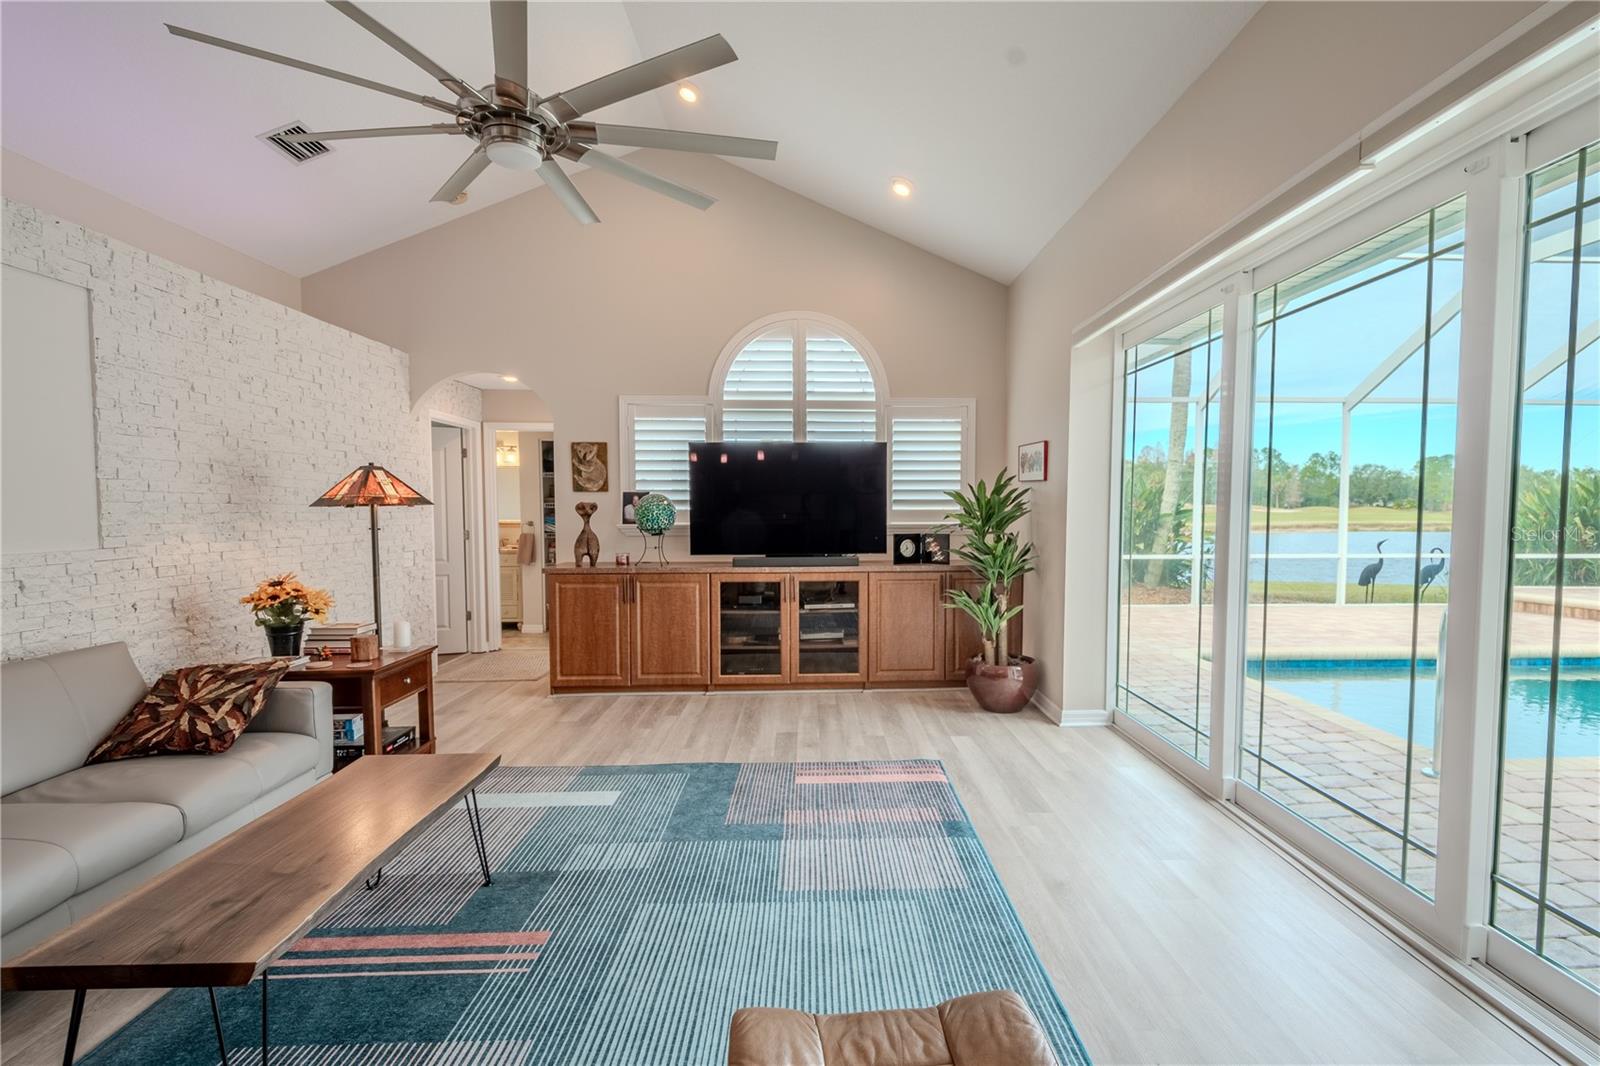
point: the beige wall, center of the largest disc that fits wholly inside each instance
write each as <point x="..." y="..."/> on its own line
<point x="514" y="405"/>
<point x="645" y="302"/>
<point x="1298" y="81"/>
<point x="24" y="181"/>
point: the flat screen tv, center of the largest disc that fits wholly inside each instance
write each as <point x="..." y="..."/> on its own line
<point x="788" y="499"/>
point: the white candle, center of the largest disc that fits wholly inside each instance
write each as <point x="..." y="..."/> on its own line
<point x="402" y="634"/>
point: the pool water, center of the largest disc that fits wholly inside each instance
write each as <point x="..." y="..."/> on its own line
<point x="1378" y="694"/>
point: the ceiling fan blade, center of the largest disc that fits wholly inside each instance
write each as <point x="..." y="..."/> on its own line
<point x="405" y="48"/>
<point x="464" y="175"/>
<point x="387" y="131"/>
<point x="675" y="140"/>
<point x="509" y="21"/>
<point x="299" y="64"/>
<point x="664" y="69"/>
<point x="628" y="172"/>
<point x="567" y="192"/>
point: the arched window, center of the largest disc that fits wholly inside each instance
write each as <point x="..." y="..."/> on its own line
<point x="798" y="379"/>
<point x="802" y="377"/>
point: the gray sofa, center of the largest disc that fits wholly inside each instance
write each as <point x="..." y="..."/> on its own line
<point x="75" y="837"/>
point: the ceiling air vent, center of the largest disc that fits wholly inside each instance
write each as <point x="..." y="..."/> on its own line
<point x="297" y="151"/>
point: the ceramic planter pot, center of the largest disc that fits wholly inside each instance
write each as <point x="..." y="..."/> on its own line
<point x="285" y="640"/>
<point x="1003" y="689"/>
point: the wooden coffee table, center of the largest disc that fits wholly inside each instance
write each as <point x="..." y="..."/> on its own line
<point x="226" y="914"/>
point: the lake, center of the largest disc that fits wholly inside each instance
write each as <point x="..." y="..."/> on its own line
<point x="1398" y="555"/>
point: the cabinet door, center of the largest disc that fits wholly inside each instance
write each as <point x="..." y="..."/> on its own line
<point x="749" y="629"/>
<point x="962" y="637"/>
<point x="827" y="612"/>
<point x="961" y="632"/>
<point x="671" y="622"/>
<point x="906" y="641"/>
<point x="510" y="593"/>
<point x="588" y="631"/>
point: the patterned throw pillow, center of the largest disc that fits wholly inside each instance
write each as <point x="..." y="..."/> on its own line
<point x="195" y="710"/>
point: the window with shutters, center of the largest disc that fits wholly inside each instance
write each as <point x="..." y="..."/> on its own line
<point x="657" y="433"/>
<point x="799" y="379"/>
<point x="803" y="378"/>
<point x="930" y="454"/>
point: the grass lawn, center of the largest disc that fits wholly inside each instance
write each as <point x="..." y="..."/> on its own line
<point x="1361" y="518"/>
<point x="1322" y="592"/>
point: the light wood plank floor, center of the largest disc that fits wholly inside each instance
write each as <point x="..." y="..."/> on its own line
<point x="1173" y="935"/>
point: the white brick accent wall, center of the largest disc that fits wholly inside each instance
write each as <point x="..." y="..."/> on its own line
<point x="220" y="416"/>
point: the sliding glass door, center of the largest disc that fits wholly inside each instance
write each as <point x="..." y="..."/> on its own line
<point x="1352" y="472"/>
<point x="1320" y="611"/>
<point x="1167" y="532"/>
<point x="1546" y="882"/>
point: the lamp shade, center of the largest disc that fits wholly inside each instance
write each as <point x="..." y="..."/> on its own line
<point x="371" y="484"/>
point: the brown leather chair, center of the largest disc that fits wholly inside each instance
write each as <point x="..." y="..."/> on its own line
<point x="983" y="1029"/>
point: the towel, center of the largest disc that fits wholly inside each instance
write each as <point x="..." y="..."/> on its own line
<point x="525" y="550"/>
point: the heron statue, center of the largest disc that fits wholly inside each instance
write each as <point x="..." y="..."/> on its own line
<point x="1369" y="573"/>
<point x="1430" y="572"/>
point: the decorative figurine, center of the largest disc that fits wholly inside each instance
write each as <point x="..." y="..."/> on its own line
<point x="587" y="549"/>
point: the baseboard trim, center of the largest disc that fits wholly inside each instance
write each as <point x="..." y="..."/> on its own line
<point x="529" y="627"/>
<point x="1088" y="716"/>
<point x="1067" y="719"/>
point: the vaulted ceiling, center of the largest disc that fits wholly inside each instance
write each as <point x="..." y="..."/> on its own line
<point x="1004" y="116"/>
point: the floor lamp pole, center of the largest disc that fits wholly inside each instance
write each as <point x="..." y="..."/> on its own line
<point x="377" y="590"/>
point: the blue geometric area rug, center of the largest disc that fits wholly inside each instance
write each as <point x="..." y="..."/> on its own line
<point x="633" y="910"/>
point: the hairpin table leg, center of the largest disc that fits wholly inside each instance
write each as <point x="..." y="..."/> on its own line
<point x="475" y="821"/>
<point x="216" y="1022"/>
<point x="266" y="1044"/>
<point x="73" y="1024"/>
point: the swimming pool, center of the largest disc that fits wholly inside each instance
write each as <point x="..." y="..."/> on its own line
<point x="1377" y="693"/>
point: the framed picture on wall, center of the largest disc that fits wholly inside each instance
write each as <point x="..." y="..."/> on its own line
<point x="630" y="499"/>
<point x="1033" y="461"/>
<point x="589" y="472"/>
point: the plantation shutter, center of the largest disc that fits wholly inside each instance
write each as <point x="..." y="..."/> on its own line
<point x="757" y="424"/>
<point x="842" y="425"/>
<point x="660" y="435"/>
<point x="763" y="371"/>
<point x="836" y="371"/>
<point x="929" y="449"/>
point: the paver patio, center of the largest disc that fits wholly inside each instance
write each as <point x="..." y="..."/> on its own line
<point x="1366" y="768"/>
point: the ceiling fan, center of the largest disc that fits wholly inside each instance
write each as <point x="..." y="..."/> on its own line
<point x="520" y="130"/>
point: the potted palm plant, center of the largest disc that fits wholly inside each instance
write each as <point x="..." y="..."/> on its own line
<point x="1001" y="682"/>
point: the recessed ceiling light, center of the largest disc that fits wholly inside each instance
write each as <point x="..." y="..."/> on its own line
<point x="688" y="93"/>
<point x="901" y="187"/>
<point x="460" y="198"/>
<point x="509" y="379"/>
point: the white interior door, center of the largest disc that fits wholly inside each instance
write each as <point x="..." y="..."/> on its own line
<point x="450" y="538"/>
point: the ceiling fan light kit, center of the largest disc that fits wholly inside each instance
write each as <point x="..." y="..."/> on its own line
<point x="515" y="128"/>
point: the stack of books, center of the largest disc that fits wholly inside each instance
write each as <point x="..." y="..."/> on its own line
<point x="395" y="738"/>
<point x="336" y="636"/>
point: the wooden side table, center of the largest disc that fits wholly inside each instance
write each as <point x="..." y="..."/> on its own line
<point x="370" y="688"/>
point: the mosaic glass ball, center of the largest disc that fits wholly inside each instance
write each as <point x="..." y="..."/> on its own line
<point x="654" y="514"/>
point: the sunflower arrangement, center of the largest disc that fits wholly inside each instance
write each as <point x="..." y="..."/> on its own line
<point x="284" y="601"/>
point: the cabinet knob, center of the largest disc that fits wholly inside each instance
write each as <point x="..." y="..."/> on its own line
<point x="407" y="680"/>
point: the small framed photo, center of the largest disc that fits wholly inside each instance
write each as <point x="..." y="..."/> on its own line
<point x="936" y="548"/>
<point x="1033" y="461"/>
<point x="630" y="499"/>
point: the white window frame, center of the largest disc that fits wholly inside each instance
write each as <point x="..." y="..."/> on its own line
<point x="796" y="322"/>
<point x="631" y="408"/>
<point x="964" y="409"/>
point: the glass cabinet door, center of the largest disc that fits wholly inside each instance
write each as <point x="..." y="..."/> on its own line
<point x="828" y="628"/>
<point x="750" y="630"/>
